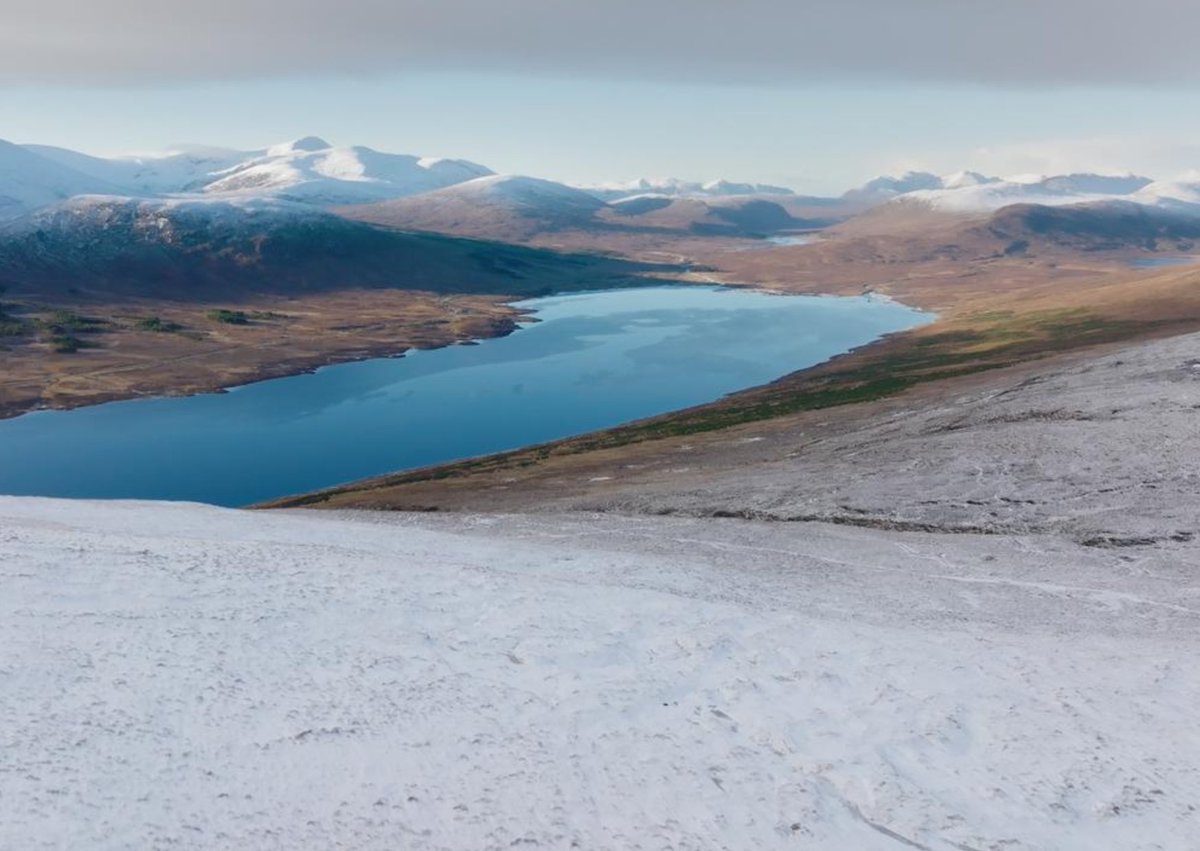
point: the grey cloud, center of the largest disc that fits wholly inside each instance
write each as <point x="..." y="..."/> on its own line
<point x="1018" y="42"/>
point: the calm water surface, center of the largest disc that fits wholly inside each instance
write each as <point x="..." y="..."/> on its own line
<point x="1157" y="262"/>
<point x="792" y="239"/>
<point x="594" y="360"/>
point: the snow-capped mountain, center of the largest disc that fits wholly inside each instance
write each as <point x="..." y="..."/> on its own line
<point x="1054" y="191"/>
<point x="1175" y="195"/>
<point x="529" y="193"/>
<point x="676" y="188"/>
<point x="457" y="196"/>
<point x="961" y="179"/>
<point x="496" y="207"/>
<point x="309" y="170"/>
<point x="29" y="181"/>
<point x="887" y="186"/>
<point x="312" y="170"/>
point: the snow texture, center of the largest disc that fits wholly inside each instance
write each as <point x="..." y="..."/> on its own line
<point x="311" y="170"/>
<point x="192" y="677"/>
<point x="308" y="170"/>
<point x="28" y="181"/>
<point x="516" y="191"/>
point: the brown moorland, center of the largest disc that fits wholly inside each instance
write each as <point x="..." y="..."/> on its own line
<point x="997" y="309"/>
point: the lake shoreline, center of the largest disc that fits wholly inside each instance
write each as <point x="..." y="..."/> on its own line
<point x="266" y="372"/>
<point x="505" y="320"/>
<point x="586" y="361"/>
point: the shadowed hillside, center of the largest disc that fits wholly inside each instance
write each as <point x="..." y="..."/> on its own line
<point x="120" y="247"/>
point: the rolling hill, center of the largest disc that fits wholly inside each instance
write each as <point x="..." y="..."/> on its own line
<point x="103" y="246"/>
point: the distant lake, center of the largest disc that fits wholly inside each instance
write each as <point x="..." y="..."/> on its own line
<point x="593" y="360"/>
<point x="1158" y="262"/>
<point x="792" y="239"/>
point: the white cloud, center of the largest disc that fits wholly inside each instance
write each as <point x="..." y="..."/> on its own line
<point x="769" y="41"/>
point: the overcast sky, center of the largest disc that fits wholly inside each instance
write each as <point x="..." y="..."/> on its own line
<point x="815" y="93"/>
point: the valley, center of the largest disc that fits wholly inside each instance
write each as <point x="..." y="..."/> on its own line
<point x="655" y="513"/>
<point x="626" y="426"/>
<point x="341" y="254"/>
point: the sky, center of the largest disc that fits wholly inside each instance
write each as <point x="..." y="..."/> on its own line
<point x="818" y="95"/>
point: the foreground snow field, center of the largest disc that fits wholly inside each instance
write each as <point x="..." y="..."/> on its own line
<point x="183" y="676"/>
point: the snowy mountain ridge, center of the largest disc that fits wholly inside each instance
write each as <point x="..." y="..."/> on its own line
<point x="309" y="170"/>
<point x="971" y="192"/>
<point x="675" y="188"/>
<point x="312" y="171"/>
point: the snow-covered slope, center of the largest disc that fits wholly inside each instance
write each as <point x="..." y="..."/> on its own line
<point x="521" y="192"/>
<point x="966" y="191"/>
<point x="308" y="170"/>
<point x="1182" y="196"/>
<point x="312" y="170"/>
<point x="28" y="181"/>
<point x="182" y="676"/>
<point x="168" y="172"/>
<point x="1057" y="190"/>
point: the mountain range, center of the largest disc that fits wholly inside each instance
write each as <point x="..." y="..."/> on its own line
<point x="306" y="208"/>
<point x="311" y="170"/>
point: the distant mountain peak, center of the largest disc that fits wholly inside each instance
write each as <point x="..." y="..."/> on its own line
<point x="960" y="179"/>
<point x="306" y="144"/>
<point x="677" y="188"/>
<point x="886" y="186"/>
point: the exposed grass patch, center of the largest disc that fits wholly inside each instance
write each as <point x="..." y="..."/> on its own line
<point x="64" y="323"/>
<point x="10" y="325"/>
<point x="157" y="325"/>
<point x="61" y="330"/>
<point x="67" y="344"/>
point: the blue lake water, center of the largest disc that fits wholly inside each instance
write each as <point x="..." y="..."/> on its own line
<point x="1159" y="262"/>
<point x="593" y="360"/>
<point x="792" y="239"/>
